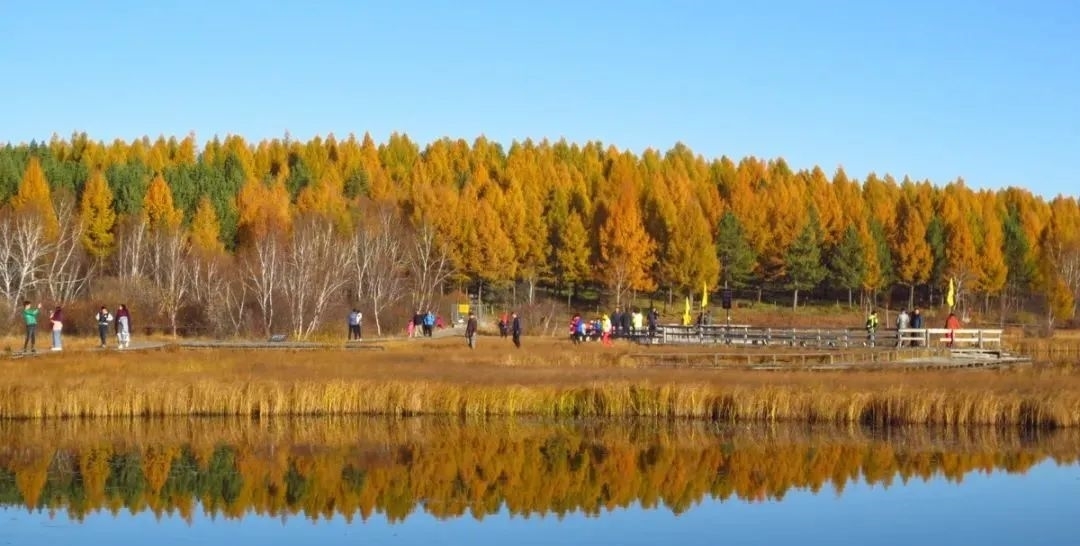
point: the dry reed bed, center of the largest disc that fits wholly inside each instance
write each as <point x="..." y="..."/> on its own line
<point x="337" y="432"/>
<point x="549" y="381"/>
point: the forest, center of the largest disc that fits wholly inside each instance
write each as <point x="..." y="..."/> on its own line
<point x="238" y="238"/>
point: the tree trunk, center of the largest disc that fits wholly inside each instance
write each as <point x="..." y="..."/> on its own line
<point x="911" y="296"/>
<point x="850" y="298"/>
<point x="795" y="301"/>
<point x="1001" y="312"/>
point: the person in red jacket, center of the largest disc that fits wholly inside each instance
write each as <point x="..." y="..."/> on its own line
<point x="952" y="323"/>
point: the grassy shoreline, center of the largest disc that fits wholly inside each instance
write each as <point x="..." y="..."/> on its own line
<point x="545" y="379"/>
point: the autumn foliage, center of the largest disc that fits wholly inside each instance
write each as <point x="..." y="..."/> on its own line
<point x="552" y="215"/>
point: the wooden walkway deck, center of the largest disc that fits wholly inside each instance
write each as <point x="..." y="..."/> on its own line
<point x="758" y="348"/>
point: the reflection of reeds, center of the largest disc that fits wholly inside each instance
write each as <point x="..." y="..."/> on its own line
<point x="326" y="467"/>
<point x="441" y="382"/>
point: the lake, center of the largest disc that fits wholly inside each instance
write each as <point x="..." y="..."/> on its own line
<point x="422" y="481"/>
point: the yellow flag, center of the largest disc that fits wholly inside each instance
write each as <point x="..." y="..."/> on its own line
<point x="950" y="296"/>
<point x="704" y="296"/>
<point x="686" y="312"/>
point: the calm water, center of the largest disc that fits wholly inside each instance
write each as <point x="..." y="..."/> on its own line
<point x="212" y="482"/>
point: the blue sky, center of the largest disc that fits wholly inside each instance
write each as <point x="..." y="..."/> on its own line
<point x="985" y="90"/>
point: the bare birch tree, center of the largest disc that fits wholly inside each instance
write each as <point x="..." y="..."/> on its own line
<point x="170" y="272"/>
<point x="10" y="287"/>
<point x="68" y="269"/>
<point x="316" y="267"/>
<point x="428" y="265"/>
<point x="380" y="261"/>
<point x="131" y="244"/>
<point x="233" y="301"/>
<point x="23" y="249"/>
<point x="261" y="268"/>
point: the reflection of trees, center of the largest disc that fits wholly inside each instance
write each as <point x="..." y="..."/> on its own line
<point x="326" y="468"/>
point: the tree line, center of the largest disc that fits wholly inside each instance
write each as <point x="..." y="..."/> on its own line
<point x="260" y="236"/>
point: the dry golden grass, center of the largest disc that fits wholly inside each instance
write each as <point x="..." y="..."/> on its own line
<point x="546" y="378"/>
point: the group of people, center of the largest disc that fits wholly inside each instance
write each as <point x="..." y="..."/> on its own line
<point x="509" y="325"/>
<point x="619" y="324"/>
<point x="424" y="324"/>
<point x="103" y="318"/>
<point x="906" y="321"/>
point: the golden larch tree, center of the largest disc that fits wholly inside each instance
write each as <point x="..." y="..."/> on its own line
<point x="34" y="199"/>
<point x="992" y="264"/>
<point x="262" y="209"/>
<point x="98" y="217"/>
<point x="830" y="212"/>
<point x="911" y="252"/>
<point x="380" y="187"/>
<point x="326" y="198"/>
<point x="961" y="254"/>
<point x="626" y="250"/>
<point x="493" y="259"/>
<point x="205" y="234"/>
<point x="158" y="210"/>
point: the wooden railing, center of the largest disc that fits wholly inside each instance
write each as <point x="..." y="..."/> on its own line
<point x="741" y="334"/>
<point x="973" y="338"/>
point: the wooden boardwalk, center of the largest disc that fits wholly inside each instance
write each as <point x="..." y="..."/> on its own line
<point x="759" y="348"/>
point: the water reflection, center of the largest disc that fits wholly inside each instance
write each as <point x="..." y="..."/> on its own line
<point x="355" y="468"/>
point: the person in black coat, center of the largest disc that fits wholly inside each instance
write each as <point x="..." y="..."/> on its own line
<point x="470" y="331"/>
<point x="916" y="323"/>
<point x="515" y="329"/>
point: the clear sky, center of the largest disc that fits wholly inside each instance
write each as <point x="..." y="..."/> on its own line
<point x="987" y="90"/>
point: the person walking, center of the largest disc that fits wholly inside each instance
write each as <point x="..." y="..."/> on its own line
<point x="103" y="318"/>
<point x="580" y="330"/>
<point x="952" y="324"/>
<point x="470" y="331"/>
<point x="30" y="318"/>
<point x="605" y="331"/>
<point x="917" y="323"/>
<point x="871" y="328"/>
<point x="654" y="322"/>
<point x="418" y="323"/>
<point x="429" y="323"/>
<point x="903" y="320"/>
<point x="57" y="320"/>
<point x="354" y="325"/>
<point x="515" y="329"/>
<point x="123" y="327"/>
